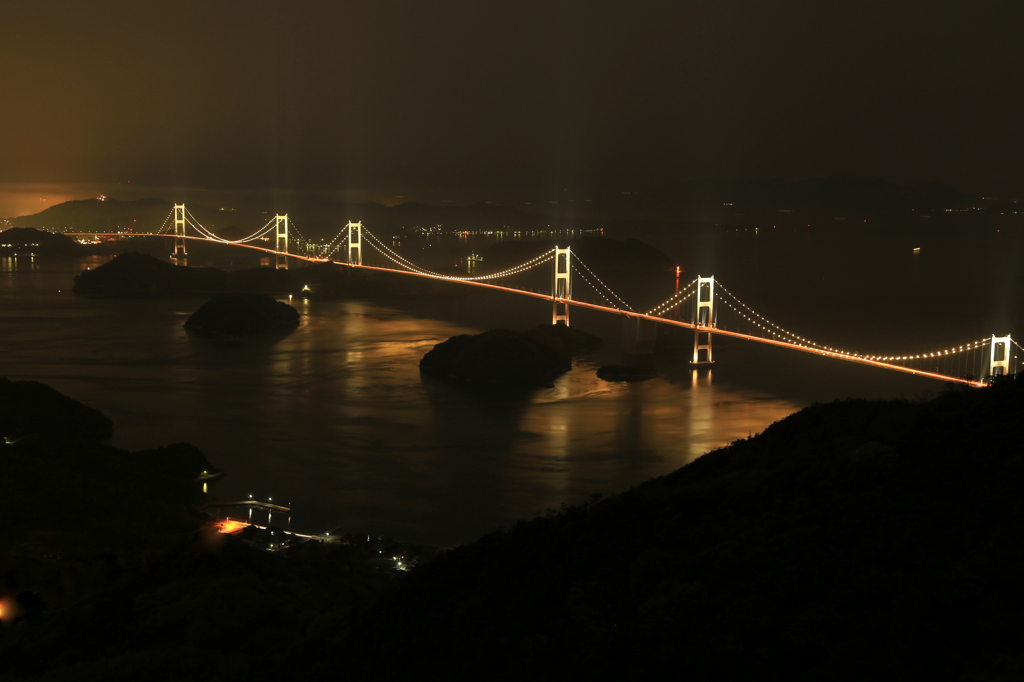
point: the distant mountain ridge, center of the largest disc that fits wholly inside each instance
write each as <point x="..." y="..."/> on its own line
<point x="727" y="200"/>
<point x="96" y="214"/>
<point x="317" y="217"/>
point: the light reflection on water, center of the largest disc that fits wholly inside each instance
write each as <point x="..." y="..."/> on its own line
<point x="336" y="419"/>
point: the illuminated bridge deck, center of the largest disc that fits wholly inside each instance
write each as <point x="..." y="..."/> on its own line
<point x="253" y="504"/>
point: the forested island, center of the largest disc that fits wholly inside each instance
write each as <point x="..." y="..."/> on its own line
<point x="140" y="274"/>
<point x="502" y="358"/>
<point x="242" y="315"/>
<point x="26" y="241"/>
<point x="848" y="541"/>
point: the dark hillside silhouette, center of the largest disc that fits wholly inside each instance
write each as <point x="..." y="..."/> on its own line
<point x="852" y="540"/>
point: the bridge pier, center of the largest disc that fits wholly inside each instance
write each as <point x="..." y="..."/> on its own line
<point x="562" y="291"/>
<point x="179" y="255"/>
<point x="704" y="319"/>
<point x="281" y="242"/>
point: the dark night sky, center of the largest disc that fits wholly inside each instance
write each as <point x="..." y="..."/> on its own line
<point x="495" y="100"/>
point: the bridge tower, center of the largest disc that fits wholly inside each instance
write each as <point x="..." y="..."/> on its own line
<point x="355" y="243"/>
<point x="999" y="362"/>
<point x="179" y="234"/>
<point x="704" y="320"/>
<point x="562" y="292"/>
<point x="281" y="242"/>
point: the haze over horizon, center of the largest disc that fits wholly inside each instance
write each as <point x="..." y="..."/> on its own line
<point x="479" y="101"/>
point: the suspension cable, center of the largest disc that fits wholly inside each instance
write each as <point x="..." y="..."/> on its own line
<point x="380" y="246"/>
<point x="970" y="345"/>
<point x="672" y="302"/>
<point x="207" y="233"/>
<point x="327" y="250"/>
<point x="577" y="259"/>
<point x="753" y="312"/>
<point x="166" y="220"/>
<point x="595" y="288"/>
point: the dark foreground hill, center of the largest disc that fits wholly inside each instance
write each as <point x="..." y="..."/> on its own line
<point x="851" y="541"/>
<point x="28" y="408"/>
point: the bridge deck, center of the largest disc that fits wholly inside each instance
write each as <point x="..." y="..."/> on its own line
<point x="592" y="306"/>
<point x="255" y="504"/>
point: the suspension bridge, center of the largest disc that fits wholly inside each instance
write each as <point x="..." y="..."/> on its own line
<point x="711" y="309"/>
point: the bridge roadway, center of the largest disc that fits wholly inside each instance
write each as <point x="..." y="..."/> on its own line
<point x="582" y="304"/>
<point x="255" y="504"/>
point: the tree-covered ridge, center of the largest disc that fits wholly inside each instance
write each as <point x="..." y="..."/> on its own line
<point x="31" y="409"/>
<point x="236" y="315"/>
<point x="853" y="540"/>
<point x="847" y="541"/>
<point x="24" y="241"/>
<point x="108" y="571"/>
<point x="502" y="358"/>
<point x="135" y="274"/>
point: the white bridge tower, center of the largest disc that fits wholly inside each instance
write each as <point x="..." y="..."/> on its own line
<point x="999" y="362"/>
<point x="562" y="292"/>
<point x="355" y="243"/>
<point x="281" y="242"/>
<point x="179" y="234"/>
<point x="704" y="320"/>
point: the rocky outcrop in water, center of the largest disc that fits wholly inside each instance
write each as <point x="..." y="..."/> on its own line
<point x="496" y="358"/>
<point x="242" y="315"/>
<point x="26" y="241"/>
<point x="137" y="273"/>
<point x="565" y="339"/>
<point x="134" y="273"/>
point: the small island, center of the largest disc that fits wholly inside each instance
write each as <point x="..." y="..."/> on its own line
<point x="571" y="341"/>
<point x="27" y="241"/>
<point x="504" y="358"/>
<point x="135" y="273"/>
<point x="234" y="315"/>
<point x="496" y="358"/>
